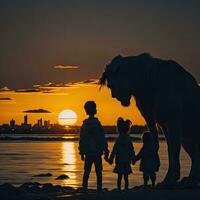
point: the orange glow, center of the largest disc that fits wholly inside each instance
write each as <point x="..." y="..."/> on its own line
<point x="73" y="97"/>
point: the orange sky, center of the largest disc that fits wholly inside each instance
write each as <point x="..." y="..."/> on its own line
<point x="73" y="97"/>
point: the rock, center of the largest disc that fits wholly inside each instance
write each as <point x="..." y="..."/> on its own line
<point x="43" y="175"/>
<point x="48" y="187"/>
<point x="62" y="177"/>
<point x="30" y="184"/>
<point x="8" y="190"/>
<point x="31" y="196"/>
<point x="68" y="188"/>
<point x="58" y="188"/>
<point x="31" y="187"/>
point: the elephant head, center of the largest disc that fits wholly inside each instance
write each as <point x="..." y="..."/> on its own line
<point x="113" y="77"/>
<point x="123" y="76"/>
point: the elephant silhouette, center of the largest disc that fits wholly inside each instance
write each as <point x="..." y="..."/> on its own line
<point x="167" y="96"/>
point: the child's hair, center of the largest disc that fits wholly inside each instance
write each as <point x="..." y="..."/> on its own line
<point x="147" y="137"/>
<point x="123" y="127"/>
<point x="90" y="108"/>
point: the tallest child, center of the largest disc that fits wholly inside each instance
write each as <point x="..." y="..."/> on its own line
<point x="92" y="145"/>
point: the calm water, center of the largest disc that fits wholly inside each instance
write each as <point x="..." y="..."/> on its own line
<point x="19" y="161"/>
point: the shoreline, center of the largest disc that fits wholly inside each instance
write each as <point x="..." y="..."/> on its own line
<point x="62" y="138"/>
<point x="52" y="139"/>
<point x="35" y="191"/>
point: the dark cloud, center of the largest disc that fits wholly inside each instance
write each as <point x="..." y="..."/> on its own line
<point x="5" y="99"/>
<point x="49" y="85"/>
<point x="33" y="90"/>
<point x="28" y="90"/>
<point x="40" y="110"/>
<point x="69" y="84"/>
<point x="66" y="67"/>
<point x="49" y="88"/>
<point x="48" y="92"/>
<point x="88" y="81"/>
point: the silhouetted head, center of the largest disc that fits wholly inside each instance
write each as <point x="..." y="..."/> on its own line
<point x="123" y="127"/>
<point x="90" y="108"/>
<point x="122" y="75"/>
<point x="147" y="137"/>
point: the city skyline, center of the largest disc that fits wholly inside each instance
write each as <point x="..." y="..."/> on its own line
<point x="26" y="125"/>
<point x="46" y="127"/>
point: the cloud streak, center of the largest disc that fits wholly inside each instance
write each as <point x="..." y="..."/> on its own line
<point x="27" y="90"/>
<point x="40" y="110"/>
<point x="34" y="90"/>
<point x="5" y="99"/>
<point x="66" y="85"/>
<point x="52" y="85"/>
<point x="89" y="81"/>
<point x="66" y="67"/>
<point x="50" y="88"/>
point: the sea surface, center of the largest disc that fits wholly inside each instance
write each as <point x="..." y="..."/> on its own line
<point x="20" y="160"/>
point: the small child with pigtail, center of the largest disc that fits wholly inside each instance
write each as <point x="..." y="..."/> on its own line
<point x="149" y="159"/>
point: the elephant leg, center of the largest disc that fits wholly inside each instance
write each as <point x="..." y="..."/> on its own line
<point x="195" y="169"/>
<point x="193" y="151"/>
<point x="172" y="132"/>
<point x="170" y="170"/>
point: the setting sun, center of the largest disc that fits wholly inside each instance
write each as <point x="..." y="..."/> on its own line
<point x="67" y="117"/>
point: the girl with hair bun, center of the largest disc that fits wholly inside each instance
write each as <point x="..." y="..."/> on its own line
<point x="122" y="152"/>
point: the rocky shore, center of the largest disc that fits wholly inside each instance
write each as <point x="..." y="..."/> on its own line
<point x="37" y="191"/>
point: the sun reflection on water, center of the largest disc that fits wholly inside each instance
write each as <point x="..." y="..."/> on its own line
<point x="69" y="152"/>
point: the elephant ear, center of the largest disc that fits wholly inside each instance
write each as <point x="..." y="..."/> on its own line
<point x="115" y="64"/>
<point x="110" y="69"/>
<point x="103" y="79"/>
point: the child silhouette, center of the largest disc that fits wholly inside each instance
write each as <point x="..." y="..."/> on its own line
<point x="149" y="157"/>
<point x="123" y="152"/>
<point x="92" y="145"/>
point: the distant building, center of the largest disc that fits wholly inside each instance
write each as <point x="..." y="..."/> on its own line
<point x="40" y="122"/>
<point x="25" y="125"/>
<point x="25" y="119"/>
<point x="12" y="124"/>
<point x="47" y="124"/>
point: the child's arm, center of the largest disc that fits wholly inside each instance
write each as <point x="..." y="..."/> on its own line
<point x="113" y="154"/>
<point x="139" y="155"/>
<point x="104" y="143"/>
<point x="82" y="142"/>
<point x="132" y="152"/>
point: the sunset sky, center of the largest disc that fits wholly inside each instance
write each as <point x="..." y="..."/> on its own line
<point x="49" y="49"/>
<point x="56" y="99"/>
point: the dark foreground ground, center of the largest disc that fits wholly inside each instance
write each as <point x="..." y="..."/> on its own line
<point x="37" y="191"/>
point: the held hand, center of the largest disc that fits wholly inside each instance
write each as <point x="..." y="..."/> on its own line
<point x="82" y="157"/>
<point x="106" y="158"/>
<point x="134" y="161"/>
<point x="106" y="154"/>
<point x="110" y="161"/>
